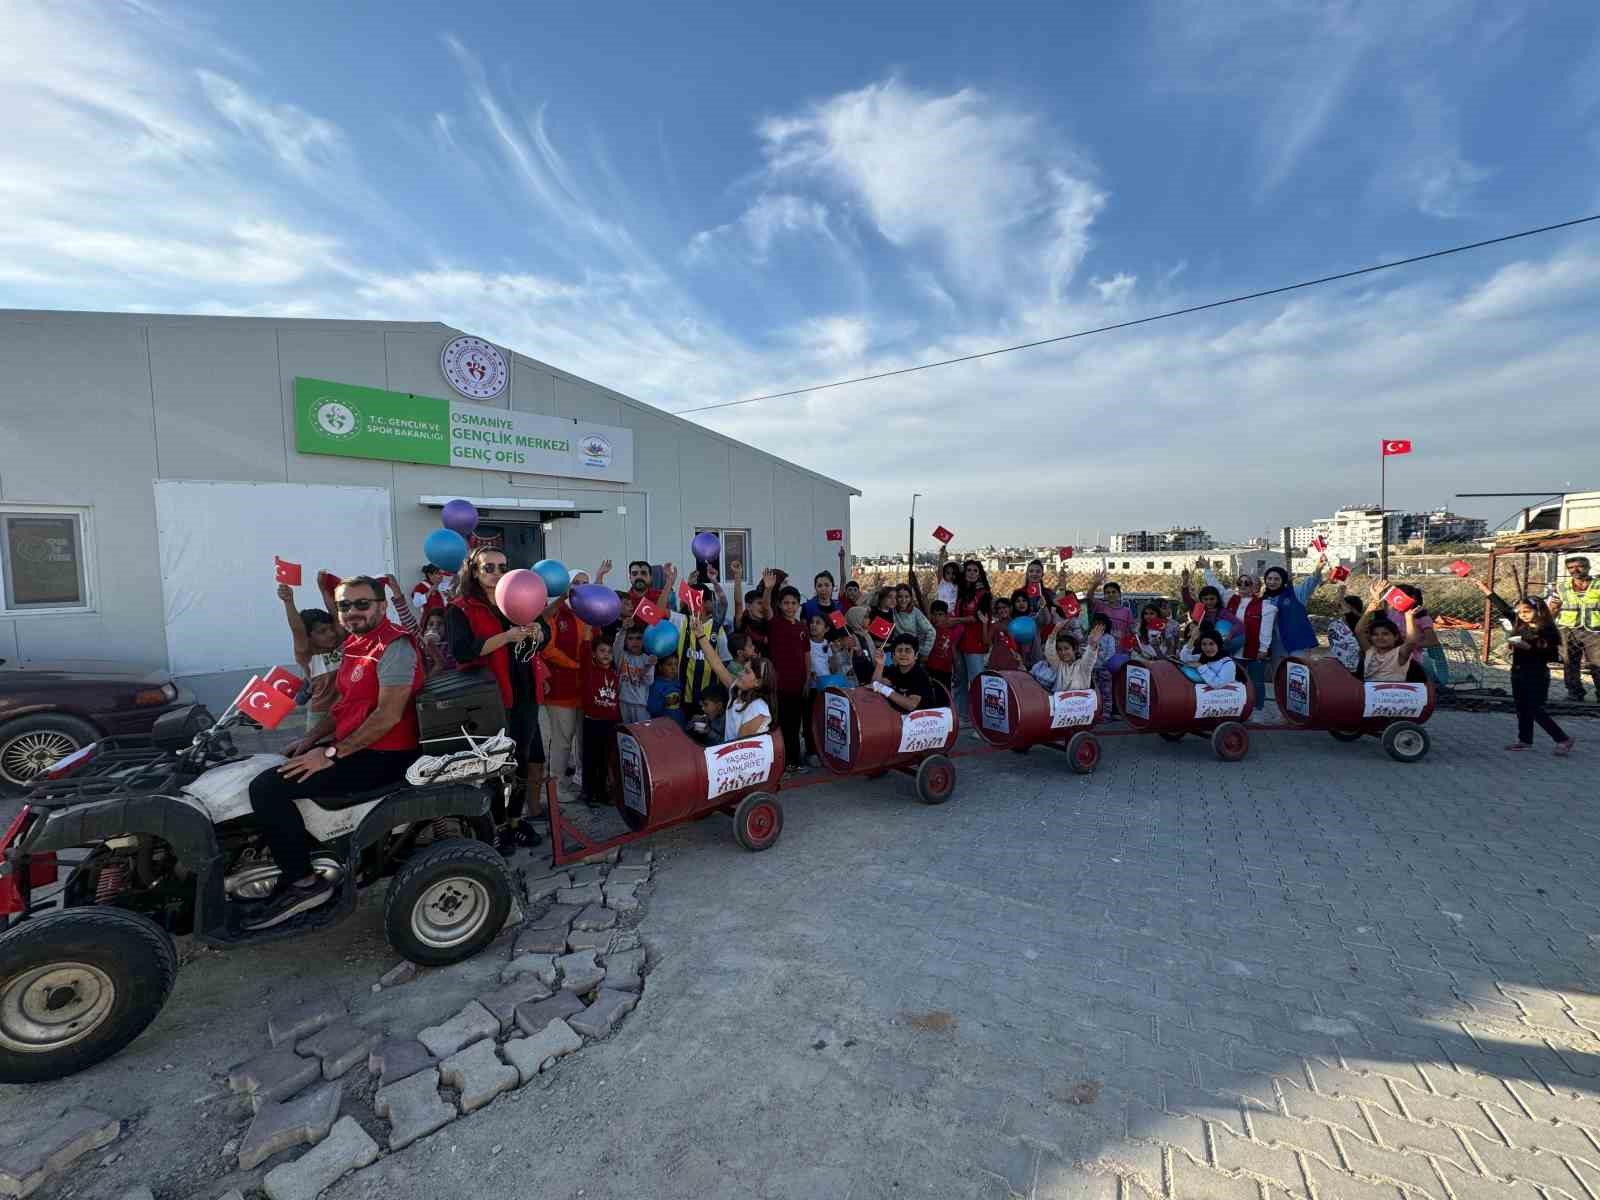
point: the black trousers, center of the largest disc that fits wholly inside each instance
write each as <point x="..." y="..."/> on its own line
<point x="272" y="798"/>
<point x="791" y="719"/>
<point x="1530" y="688"/>
<point x="597" y="738"/>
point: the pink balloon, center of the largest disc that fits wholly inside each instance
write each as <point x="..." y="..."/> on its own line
<point x="521" y="596"/>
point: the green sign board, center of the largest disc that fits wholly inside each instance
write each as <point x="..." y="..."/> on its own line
<point x="358" y="422"/>
<point x="361" y="422"/>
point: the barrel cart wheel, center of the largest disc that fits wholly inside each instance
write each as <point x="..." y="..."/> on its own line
<point x="758" y="821"/>
<point x="1406" y="742"/>
<point x="1168" y="735"/>
<point x="1230" y="741"/>
<point x="936" y="779"/>
<point x="1083" y="752"/>
<point x="1346" y="735"/>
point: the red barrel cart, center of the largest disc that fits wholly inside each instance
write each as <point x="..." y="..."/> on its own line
<point x="661" y="777"/>
<point x="1157" y="697"/>
<point x="1015" y="713"/>
<point x="857" y="732"/>
<point x="1319" y="694"/>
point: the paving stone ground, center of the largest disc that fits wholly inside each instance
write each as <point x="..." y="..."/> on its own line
<point x="1314" y="974"/>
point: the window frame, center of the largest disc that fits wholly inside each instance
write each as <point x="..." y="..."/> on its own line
<point x="722" y="532"/>
<point x="83" y="516"/>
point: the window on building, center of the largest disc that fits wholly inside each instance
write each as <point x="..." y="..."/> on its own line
<point x="735" y="549"/>
<point x="43" y="559"/>
<point x="1166" y="566"/>
<point x="1149" y="565"/>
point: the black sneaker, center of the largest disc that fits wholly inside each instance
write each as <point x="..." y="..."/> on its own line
<point x="525" y="834"/>
<point x="289" y="901"/>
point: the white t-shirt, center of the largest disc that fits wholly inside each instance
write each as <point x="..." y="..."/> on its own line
<point x="736" y="715"/>
<point x="820" y="664"/>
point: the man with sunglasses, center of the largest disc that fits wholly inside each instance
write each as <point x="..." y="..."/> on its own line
<point x="368" y="739"/>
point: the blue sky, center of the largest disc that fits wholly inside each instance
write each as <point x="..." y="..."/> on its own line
<point x="696" y="203"/>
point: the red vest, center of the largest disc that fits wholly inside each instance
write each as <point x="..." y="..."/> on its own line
<point x="484" y="624"/>
<point x="1251" y="620"/>
<point x="358" y="688"/>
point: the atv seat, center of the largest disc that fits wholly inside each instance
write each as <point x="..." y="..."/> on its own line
<point x="352" y="799"/>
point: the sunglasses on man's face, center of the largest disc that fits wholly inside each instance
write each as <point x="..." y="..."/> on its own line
<point x="490" y="568"/>
<point x="353" y="605"/>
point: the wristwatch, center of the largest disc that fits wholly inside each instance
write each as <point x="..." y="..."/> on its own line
<point x="331" y="753"/>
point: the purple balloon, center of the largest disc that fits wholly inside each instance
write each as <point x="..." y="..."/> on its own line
<point x="460" y="516"/>
<point x="596" y="604"/>
<point x="707" y="547"/>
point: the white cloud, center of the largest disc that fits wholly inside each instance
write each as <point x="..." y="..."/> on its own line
<point x="1116" y="288"/>
<point x="985" y="187"/>
<point x="771" y="216"/>
<point x="301" y="141"/>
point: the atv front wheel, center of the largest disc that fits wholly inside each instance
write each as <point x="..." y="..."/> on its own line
<point x="77" y="986"/>
<point x="448" y="902"/>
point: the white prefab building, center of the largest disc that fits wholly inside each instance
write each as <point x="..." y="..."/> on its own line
<point x="153" y="467"/>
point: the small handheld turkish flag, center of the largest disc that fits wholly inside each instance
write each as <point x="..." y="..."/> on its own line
<point x="836" y="619"/>
<point x="689" y="597"/>
<point x="1068" y="604"/>
<point x="1339" y="574"/>
<point x="327" y="580"/>
<point x="1396" y="446"/>
<point x="1398" y="600"/>
<point x="287" y="572"/>
<point x="1064" y="551"/>
<point x="1319" y="544"/>
<point x="285" y="681"/>
<point x="836" y="535"/>
<point x="648" y="613"/>
<point x="1460" y="568"/>
<point x="880" y="628"/>
<point x="941" y="534"/>
<point x="263" y="703"/>
<point x="1198" y="613"/>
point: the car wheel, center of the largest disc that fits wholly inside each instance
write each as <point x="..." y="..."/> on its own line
<point x="77" y="986"/>
<point x="1406" y="742"/>
<point x="936" y="779"/>
<point x="30" y="745"/>
<point x="448" y="902"/>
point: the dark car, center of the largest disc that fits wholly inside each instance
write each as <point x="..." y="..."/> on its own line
<point x="48" y="710"/>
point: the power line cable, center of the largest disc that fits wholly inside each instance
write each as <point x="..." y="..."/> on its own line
<point x="1177" y="312"/>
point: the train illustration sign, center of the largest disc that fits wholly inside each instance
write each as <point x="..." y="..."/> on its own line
<point x="361" y="422"/>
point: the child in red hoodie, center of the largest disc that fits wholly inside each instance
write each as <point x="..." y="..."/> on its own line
<point x="601" y="714"/>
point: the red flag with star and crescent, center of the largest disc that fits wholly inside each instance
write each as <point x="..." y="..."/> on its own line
<point x="263" y="703"/>
<point x="1396" y="446"/>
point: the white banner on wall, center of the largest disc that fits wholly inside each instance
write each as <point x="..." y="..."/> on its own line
<point x="217" y="544"/>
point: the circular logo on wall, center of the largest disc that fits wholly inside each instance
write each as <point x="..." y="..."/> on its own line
<point x="337" y="418"/>
<point x="473" y="367"/>
<point x="595" y="449"/>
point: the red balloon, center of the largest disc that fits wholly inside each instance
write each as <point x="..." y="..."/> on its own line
<point x="521" y="596"/>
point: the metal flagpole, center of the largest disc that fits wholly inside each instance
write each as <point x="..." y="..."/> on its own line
<point x="1383" y="510"/>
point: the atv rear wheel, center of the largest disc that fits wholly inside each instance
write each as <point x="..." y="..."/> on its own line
<point x="448" y="902"/>
<point x="76" y="987"/>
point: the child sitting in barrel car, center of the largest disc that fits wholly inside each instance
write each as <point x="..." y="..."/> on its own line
<point x="904" y="682"/>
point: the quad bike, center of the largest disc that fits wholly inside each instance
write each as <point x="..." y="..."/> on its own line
<point x="120" y="847"/>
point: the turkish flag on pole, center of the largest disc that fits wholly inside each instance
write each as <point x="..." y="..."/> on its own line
<point x="1396" y="446"/>
<point x="1319" y="544"/>
<point x="285" y="681"/>
<point x="1068" y="604"/>
<point x="1064" y="551"/>
<point x="1463" y="569"/>
<point x="835" y="535"/>
<point x="1398" y="600"/>
<point x="648" y="613"/>
<point x="263" y="703"/>
<point x="287" y="572"/>
<point x="941" y="534"/>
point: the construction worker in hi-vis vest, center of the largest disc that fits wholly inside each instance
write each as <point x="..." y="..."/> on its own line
<point x="1580" y="626"/>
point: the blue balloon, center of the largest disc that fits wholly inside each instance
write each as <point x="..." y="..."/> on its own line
<point x="834" y="681"/>
<point x="445" y="549"/>
<point x="1023" y="630"/>
<point x="557" y="579"/>
<point x="1224" y="628"/>
<point x="661" y="640"/>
